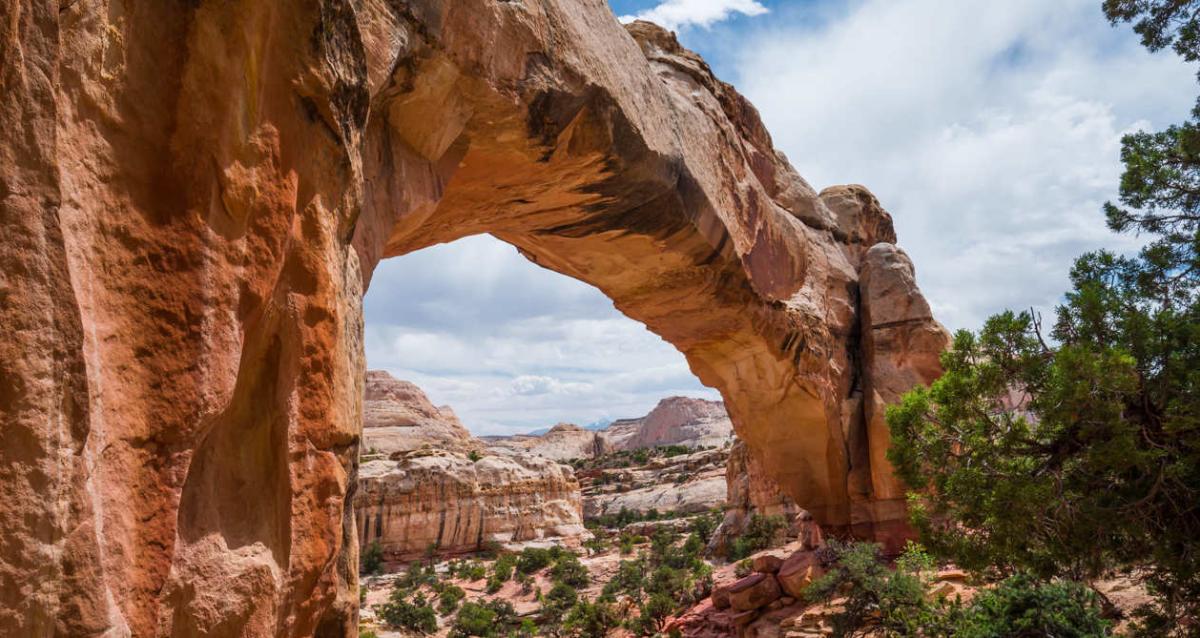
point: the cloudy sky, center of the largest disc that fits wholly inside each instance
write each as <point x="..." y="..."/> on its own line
<point x="990" y="130"/>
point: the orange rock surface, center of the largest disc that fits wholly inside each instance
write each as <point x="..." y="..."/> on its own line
<point x="193" y="197"/>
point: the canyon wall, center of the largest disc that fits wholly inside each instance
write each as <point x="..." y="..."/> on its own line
<point x="193" y="197"/>
<point x="448" y="503"/>
<point x="426" y="483"/>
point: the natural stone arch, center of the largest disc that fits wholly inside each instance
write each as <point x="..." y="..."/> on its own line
<point x="195" y="203"/>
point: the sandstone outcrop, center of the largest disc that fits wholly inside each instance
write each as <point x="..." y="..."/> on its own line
<point x="674" y="421"/>
<point x="398" y="417"/>
<point x="447" y="502"/>
<point x="192" y="202"/>
<point x="749" y="491"/>
<point x="562" y="442"/>
<point x="426" y="483"/>
<point x="682" y="484"/>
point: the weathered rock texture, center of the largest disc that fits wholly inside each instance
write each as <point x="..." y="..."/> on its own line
<point x="749" y="491"/>
<point x="445" y="500"/>
<point x="681" y="484"/>
<point x="398" y="417"/>
<point x="193" y="196"/>
<point x="674" y="421"/>
<point x="419" y="487"/>
<point x="562" y="442"/>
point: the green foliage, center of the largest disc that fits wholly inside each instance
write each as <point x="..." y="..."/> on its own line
<point x="556" y="604"/>
<point x="474" y="455"/>
<point x="534" y="559"/>
<point x="705" y="524"/>
<point x="1022" y="606"/>
<point x="592" y="619"/>
<point x="877" y="597"/>
<point x="486" y="620"/>
<point x="372" y="559"/>
<point x="503" y="569"/>
<point x="879" y="600"/>
<point x="401" y="613"/>
<point x="568" y="570"/>
<point x="761" y="533"/>
<point x="448" y="599"/>
<point x="416" y="576"/>
<point x="368" y="633"/>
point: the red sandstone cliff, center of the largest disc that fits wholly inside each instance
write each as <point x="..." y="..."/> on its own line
<point x="193" y="197"/>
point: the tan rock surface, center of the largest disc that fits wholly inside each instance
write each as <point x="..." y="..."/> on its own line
<point x="562" y="442"/>
<point x="398" y="417"/>
<point x="753" y="592"/>
<point x="445" y="500"/>
<point x="683" y="484"/>
<point x="195" y="202"/>
<point x="674" y="421"/>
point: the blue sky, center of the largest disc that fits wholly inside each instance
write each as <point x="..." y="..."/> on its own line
<point x="990" y="130"/>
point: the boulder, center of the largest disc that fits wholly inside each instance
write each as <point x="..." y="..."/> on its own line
<point x="720" y="597"/>
<point x="798" y="572"/>
<point x="766" y="563"/>
<point x="754" y="592"/>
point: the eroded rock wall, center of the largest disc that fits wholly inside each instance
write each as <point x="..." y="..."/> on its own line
<point x="448" y="503"/>
<point x="193" y="197"/>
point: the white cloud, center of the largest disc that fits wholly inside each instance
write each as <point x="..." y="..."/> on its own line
<point x="678" y="14"/>
<point x="990" y="130"/>
<point x="513" y="347"/>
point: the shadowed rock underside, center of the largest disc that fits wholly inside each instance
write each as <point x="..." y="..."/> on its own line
<point x="193" y="197"/>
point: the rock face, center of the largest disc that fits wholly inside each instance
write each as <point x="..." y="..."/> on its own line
<point x="427" y="491"/>
<point x="562" y="442"/>
<point x="445" y="500"/>
<point x="749" y="491"/>
<point x="193" y="207"/>
<point x="682" y="484"/>
<point x="674" y="421"/>
<point x="398" y="417"/>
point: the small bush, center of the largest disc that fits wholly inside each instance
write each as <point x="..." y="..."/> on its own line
<point x="372" y="559"/>
<point x="449" y="598"/>
<point x="533" y="559"/>
<point x="503" y="569"/>
<point x="568" y="570"/>
<point x="400" y="613"/>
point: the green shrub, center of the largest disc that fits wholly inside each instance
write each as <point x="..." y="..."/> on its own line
<point x="533" y="560"/>
<point x="372" y="559"/>
<point x="448" y="599"/>
<point x="705" y="524"/>
<point x="474" y="619"/>
<point x="503" y="569"/>
<point x="1023" y="606"/>
<point x="399" y="613"/>
<point x="592" y="619"/>
<point x="762" y="532"/>
<point x="568" y="570"/>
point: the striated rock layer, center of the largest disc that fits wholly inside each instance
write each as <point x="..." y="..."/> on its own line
<point x="446" y="501"/>
<point x="398" y="417"/>
<point x="562" y="442"/>
<point x="674" y="421"/>
<point x="425" y="482"/>
<point x="192" y="201"/>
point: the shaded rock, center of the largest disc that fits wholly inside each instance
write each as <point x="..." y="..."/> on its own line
<point x="753" y="592"/>
<point x="720" y="597"/>
<point x="798" y="572"/>
<point x="766" y="563"/>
